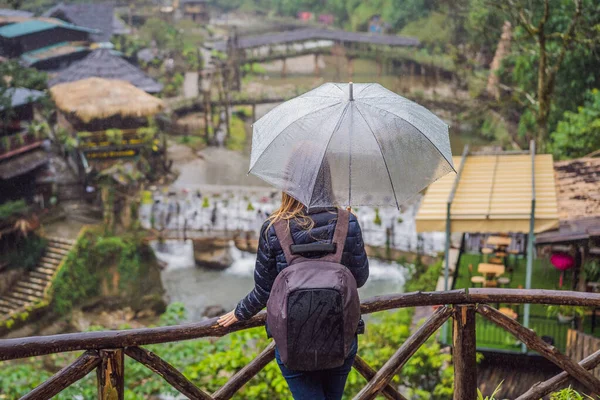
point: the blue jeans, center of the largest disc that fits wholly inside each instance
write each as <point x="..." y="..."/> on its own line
<point x="327" y="384"/>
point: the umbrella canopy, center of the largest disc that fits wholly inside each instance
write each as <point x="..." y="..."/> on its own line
<point x="350" y="145"/>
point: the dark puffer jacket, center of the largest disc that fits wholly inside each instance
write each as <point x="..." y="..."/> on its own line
<point x="270" y="259"/>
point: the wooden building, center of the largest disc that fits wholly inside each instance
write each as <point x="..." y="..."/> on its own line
<point x="110" y="120"/>
<point x="578" y="196"/>
<point x="22" y="153"/>
<point x="46" y="44"/>
<point x="196" y="10"/>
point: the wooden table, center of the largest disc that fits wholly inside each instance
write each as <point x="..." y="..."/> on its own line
<point x="508" y="312"/>
<point x="499" y="241"/>
<point x="491" y="269"/>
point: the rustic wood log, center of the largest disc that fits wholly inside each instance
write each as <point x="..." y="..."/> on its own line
<point x="167" y="372"/>
<point x="533" y="296"/>
<point x="550" y="352"/>
<point x="65" y="377"/>
<point x="388" y="302"/>
<point x="464" y="357"/>
<point x="245" y="374"/>
<point x="541" y="389"/>
<point x="110" y="374"/>
<point x="368" y="373"/>
<point x="41" y="345"/>
<point x="408" y="348"/>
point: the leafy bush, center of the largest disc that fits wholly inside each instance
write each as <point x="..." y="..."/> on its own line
<point x="27" y="253"/>
<point x="578" y="133"/>
<point x="13" y="208"/>
<point x="89" y="261"/>
<point x="425" y="279"/>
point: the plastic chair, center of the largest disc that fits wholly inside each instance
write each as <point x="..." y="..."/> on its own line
<point x="478" y="280"/>
<point x="503" y="281"/>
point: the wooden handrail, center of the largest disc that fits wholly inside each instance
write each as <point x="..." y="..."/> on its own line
<point x="534" y="342"/>
<point x="11" y="349"/>
<point x="167" y="371"/>
<point x="105" y="350"/>
<point x="70" y="374"/>
<point x="397" y="361"/>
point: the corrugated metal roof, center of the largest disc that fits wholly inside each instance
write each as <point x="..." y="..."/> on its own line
<point x="34" y="26"/>
<point x="493" y="195"/>
<point x="319" y="34"/>
<point x="22" y="96"/>
<point x="8" y="12"/>
<point x="22" y="164"/>
<point x="52" y="51"/>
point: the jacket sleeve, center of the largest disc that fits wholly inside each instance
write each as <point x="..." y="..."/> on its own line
<point x="265" y="272"/>
<point x="359" y="263"/>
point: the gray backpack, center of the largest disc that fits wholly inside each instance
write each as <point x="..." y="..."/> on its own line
<point x="313" y="310"/>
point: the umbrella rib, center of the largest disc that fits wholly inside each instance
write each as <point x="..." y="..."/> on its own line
<point x="382" y="156"/>
<point x="337" y="86"/>
<point x="418" y="130"/>
<point x="337" y="125"/>
<point x="290" y="124"/>
<point x="363" y="89"/>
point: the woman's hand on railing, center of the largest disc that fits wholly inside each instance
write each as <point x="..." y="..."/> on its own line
<point x="227" y="319"/>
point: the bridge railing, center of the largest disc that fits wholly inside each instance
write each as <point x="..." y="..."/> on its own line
<point x="105" y="351"/>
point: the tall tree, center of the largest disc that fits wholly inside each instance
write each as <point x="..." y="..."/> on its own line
<point x="555" y="27"/>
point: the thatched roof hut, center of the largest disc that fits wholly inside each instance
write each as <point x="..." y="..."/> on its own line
<point x="95" y="99"/>
<point x="102" y="63"/>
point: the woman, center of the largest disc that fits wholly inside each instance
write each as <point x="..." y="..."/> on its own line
<point x="316" y="225"/>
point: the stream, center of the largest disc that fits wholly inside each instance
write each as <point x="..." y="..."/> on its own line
<point x="198" y="288"/>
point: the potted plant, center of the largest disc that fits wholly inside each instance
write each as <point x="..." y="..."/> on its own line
<point x="565" y="314"/>
<point x="591" y="268"/>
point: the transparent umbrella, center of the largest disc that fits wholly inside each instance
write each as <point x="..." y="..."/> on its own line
<point x="350" y="145"/>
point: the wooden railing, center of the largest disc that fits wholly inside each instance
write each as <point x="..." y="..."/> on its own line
<point x="16" y="141"/>
<point x="104" y="351"/>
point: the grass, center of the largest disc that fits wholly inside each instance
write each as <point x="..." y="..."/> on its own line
<point x="237" y="135"/>
<point x="544" y="277"/>
<point x="193" y="141"/>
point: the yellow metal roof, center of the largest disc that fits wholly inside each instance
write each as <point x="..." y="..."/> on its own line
<point x="493" y="195"/>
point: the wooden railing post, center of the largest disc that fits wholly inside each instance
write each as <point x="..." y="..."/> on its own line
<point x="111" y="384"/>
<point x="465" y="363"/>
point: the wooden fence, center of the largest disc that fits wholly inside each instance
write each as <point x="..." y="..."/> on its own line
<point x="581" y="345"/>
<point x="105" y="351"/>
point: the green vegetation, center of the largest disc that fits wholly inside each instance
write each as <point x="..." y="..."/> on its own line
<point x="432" y="30"/>
<point x="27" y="252"/>
<point x="578" y="133"/>
<point x="98" y="258"/>
<point x="29" y="78"/>
<point x="237" y="134"/>
<point x="194" y="141"/>
<point x="11" y="209"/>
<point x="564" y="394"/>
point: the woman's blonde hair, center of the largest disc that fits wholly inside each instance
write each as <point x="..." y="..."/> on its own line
<point x="290" y="209"/>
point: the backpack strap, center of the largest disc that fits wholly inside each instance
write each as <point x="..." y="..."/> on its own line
<point x="339" y="237"/>
<point x="284" y="236"/>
